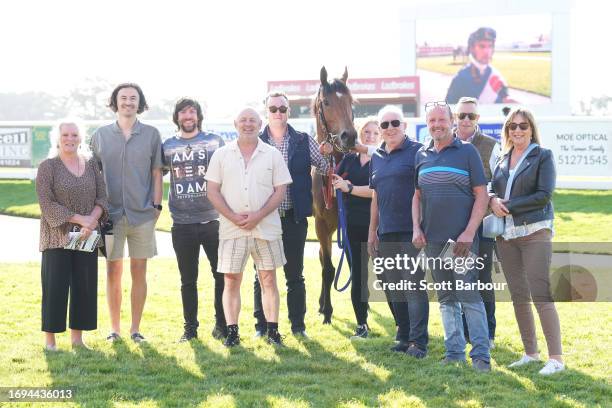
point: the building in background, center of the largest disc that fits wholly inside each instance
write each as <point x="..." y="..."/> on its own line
<point x="371" y="95"/>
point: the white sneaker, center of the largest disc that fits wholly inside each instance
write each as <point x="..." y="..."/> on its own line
<point x="552" y="366"/>
<point x="491" y="344"/>
<point x="524" y="360"/>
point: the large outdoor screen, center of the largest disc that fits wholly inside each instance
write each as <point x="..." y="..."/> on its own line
<point x="497" y="59"/>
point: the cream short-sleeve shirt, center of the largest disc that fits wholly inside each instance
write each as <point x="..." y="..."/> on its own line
<point x="248" y="188"/>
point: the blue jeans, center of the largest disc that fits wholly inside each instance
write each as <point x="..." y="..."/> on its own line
<point x="452" y="302"/>
<point x="485" y="249"/>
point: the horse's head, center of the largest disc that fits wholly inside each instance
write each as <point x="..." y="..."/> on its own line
<point x="333" y="110"/>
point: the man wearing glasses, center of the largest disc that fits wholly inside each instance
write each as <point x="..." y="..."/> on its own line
<point x="466" y="116"/>
<point x="479" y="79"/>
<point x="390" y="235"/>
<point x="300" y="152"/>
<point x="449" y="203"/>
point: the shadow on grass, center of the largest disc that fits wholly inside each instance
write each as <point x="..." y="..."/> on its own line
<point x="502" y="387"/>
<point x="308" y="373"/>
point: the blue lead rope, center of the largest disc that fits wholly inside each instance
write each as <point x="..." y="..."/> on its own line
<point x="342" y="240"/>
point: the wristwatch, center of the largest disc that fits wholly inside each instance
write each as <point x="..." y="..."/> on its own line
<point x="158" y="207"/>
<point x="350" y="187"/>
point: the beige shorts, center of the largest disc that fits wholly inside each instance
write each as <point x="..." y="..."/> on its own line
<point x="234" y="254"/>
<point x="140" y="240"/>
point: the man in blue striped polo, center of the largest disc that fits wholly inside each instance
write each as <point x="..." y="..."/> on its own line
<point x="449" y="202"/>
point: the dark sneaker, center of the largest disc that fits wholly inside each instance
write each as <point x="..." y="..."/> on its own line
<point x="300" y="333"/>
<point x="219" y="333"/>
<point x="113" y="337"/>
<point x="188" y="335"/>
<point x="275" y="338"/>
<point x="361" y="332"/>
<point x="401" y="347"/>
<point x="415" y="351"/>
<point x="232" y="339"/>
<point x="451" y="361"/>
<point x="138" y="338"/>
<point x="481" y="366"/>
<point x="259" y="334"/>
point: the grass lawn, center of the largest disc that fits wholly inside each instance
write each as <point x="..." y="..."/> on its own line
<point x="326" y="370"/>
<point x="517" y="68"/>
<point x="581" y="215"/>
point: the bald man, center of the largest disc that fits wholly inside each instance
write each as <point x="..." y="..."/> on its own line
<point x="247" y="180"/>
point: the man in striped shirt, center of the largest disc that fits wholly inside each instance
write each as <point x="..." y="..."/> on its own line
<point x="449" y="202"/>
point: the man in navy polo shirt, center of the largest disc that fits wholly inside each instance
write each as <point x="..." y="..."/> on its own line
<point x="392" y="179"/>
<point x="449" y="202"/>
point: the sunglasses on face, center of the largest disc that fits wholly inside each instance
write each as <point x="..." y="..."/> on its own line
<point x="522" y="125"/>
<point x="394" y="123"/>
<point x="281" y="109"/>
<point x="470" y="116"/>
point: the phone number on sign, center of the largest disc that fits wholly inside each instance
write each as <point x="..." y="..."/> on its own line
<point x="35" y="394"/>
<point x="580" y="159"/>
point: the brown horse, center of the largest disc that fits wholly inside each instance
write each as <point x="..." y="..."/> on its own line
<point x="333" y="110"/>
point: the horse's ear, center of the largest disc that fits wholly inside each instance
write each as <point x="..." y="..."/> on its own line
<point x="345" y="75"/>
<point x="323" y="75"/>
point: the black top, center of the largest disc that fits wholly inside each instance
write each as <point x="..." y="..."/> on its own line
<point x="357" y="208"/>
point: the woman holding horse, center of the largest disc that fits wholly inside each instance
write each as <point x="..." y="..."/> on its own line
<point x="352" y="179"/>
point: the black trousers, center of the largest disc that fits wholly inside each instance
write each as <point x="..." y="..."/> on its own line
<point x="485" y="251"/>
<point x="410" y="309"/>
<point x="357" y="237"/>
<point x="66" y="272"/>
<point x="294" y="240"/>
<point x="186" y="240"/>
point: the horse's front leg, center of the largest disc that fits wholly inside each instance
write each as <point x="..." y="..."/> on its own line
<point x="324" y="234"/>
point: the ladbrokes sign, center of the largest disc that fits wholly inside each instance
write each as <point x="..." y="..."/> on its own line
<point x="15" y="147"/>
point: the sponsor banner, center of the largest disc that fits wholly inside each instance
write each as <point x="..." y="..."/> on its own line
<point x="580" y="148"/>
<point x="405" y="85"/>
<point x="15" y="147"/>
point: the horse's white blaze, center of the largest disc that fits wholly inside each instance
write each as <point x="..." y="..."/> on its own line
<point x="339" y="94"/>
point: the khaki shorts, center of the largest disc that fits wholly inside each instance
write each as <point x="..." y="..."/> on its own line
<point x="234" y="253"/>
<point x="140" y="239"/>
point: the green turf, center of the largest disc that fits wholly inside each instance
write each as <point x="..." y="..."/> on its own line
<point x="327" y="370"/>
<point x="529" y="75"/>
<point x="581" y="215"/>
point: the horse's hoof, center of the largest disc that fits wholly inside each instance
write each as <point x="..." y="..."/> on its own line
<point x="327" y="320"/>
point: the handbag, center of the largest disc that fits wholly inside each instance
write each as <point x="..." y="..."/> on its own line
<point x="492" y="225"/>
<point x="106" y="232"/>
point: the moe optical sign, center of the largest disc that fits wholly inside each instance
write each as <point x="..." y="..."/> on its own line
<point x="15" y="147"/>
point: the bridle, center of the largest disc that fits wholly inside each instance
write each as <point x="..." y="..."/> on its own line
<point x="331" y="138"/>
<point x="334" y="140"/>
